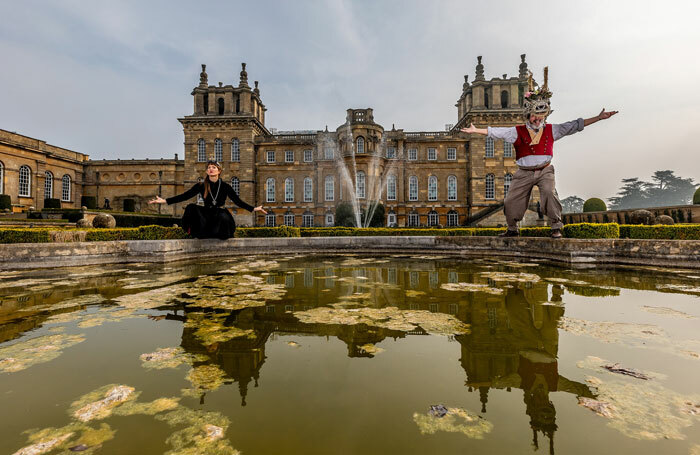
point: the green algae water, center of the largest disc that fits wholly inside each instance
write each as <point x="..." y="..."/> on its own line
<point x="349" y="355"/>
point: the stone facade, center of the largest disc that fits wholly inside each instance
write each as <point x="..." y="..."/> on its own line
<point x="422" y="178"/>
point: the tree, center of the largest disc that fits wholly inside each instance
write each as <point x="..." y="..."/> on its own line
<point x="344" y="215"/>
<point x="665" y="189"/>
<point x="572" y="204"/>
<point x="377" y="211"/>
<point x="632" y="195"/>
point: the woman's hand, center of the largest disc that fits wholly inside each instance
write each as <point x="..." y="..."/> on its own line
<point x="260" y="209"/>
<point x="157" y="200"/>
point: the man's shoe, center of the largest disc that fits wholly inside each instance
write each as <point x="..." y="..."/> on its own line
<point x="556" y="233"/>
<point x="509" y="233"/>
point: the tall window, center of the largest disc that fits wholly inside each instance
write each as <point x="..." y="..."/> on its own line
<point x="330" y="188"/>
<point x="270" y="221"/>
<point x="328" y="153"/>
<point x="235" y="150"/>
<point x="308" y="156"/>
<point x="289" y="219"/>
<point x="218" y="150"/>
<point x="490" y="189"/>
<point x="452" y="218"/>
<point x="308" y="189"/>
<point x="412" y="154"/>
<point x="504" y="99"/>
<point x="270" y="156"/>
<point x="452" y="188"/>
<point x="288" y="190"/>
<point x="391" y="188"/>
<point x="360" y="145"/>
<point x="25" y="181"/>
<point x="451" y="154"/>
<point x="507" y="180"/>
<point x="289" y="156"/>
<point x="201" y="151"/>
<point x="432" y="188"/>
<point x="432" y="154"/>
<point x="489" y="147"/>
<point x="391" y="152"/>
<point x="413" y="188"/>
<point x="48" y="185"/>
<point x="236" y="185"/>
<point x="270" y="185"/>
<point x="413" y="219"/>
<point x="433" y="218"/>
<point x="65" y="188"/>
<point x="307" y="219"/>
<point x="360" y="184"/>
<point x="507" y="149"/>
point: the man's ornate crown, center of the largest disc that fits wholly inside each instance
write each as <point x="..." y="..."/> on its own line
<point x="537" y="99"/>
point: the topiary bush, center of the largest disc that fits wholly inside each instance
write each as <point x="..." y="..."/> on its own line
<point x="129" y="205"/>
<point x="89" y="202"/>
<point x="696" y="197"/>
<point x="344" y="215"/>
<point x="594" y="205"/>
<point x="52" y="203"/>
<point x="5" y="202"/>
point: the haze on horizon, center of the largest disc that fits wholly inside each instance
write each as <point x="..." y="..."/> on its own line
<point x="110" y="79"/>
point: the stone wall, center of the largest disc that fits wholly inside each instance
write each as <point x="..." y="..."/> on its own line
<point x="691" y="214"/>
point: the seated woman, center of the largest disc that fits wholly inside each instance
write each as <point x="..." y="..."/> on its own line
<point x="210" y="220"/>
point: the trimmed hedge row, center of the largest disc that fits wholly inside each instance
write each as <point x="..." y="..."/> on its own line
<point x="279" y="231"/>
<point x="24" y="235"/>
<point x="381" y="232"/>
<point x="660" y="231"/>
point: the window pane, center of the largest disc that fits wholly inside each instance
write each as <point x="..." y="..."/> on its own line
<point x="489" y="147"/>
<point x="308" y="156"/>
<point x="270" y="190"/>
<point x="289" y="190"/>
<point x="360" y="185"/>
<point x="235" y="151"/>
<point x="289" y="156"/>
<point x="452" y="188"/>
<point x="412" y="154"/>
<point x="451" y="153"/>
<point x="391" y="188"/>
<point x="432" y="154"/>
<point x="432" y="188"/>
<point x="48" y="185"/>
<point x="308" y="190"/>
<point x="330" y="187"/>
<point x="413" y="188"/>
<point x="490" y="190"/>
<point x="201" y="151"/>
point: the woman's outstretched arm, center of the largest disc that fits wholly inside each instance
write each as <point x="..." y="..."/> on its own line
<point x="179" y="198"/>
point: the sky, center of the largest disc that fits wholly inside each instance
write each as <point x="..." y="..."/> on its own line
<point x="111" y="78"/>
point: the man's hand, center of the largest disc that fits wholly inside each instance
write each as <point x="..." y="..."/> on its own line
<point x="474" y="130"/>
<point x="606" y="115"/>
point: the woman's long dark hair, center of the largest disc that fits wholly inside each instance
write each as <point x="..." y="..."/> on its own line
<point x="206" y="181"/>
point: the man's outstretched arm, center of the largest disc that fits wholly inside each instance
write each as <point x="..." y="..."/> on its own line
<point x="602" y="116"/>
<point x="471" y="129"/>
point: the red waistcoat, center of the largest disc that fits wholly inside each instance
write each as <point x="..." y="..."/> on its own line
<point x="522" y="143"/>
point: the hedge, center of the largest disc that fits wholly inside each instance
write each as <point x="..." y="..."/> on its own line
<point x="660" y="231"/>
<point x="89" y="202"/>
<point x="594" y="205"/>
<point x="52" y="203"/>
<point x="279" y="231"/>
<point x="140" y="233"/>
<point x="24" y="235"/>
<point x="591" y="231"/>
<point x="341" y="231"/>
<point x="5" y="202"/>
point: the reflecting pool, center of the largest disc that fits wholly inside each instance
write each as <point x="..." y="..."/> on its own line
<point x="349" y="354"/>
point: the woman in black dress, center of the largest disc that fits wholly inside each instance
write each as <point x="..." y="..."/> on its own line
<point x="210" y="220"/>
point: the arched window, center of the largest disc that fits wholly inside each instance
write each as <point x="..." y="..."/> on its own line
<point x="270" y="189"/>
<point x="289" y="190"/>
<point x="507" y="180"/>
<point x="360" y="184"/>
<point x="489" y="147"/>
<point x="432" y="188"/>
<point x="65" y="188"/>
<point x="486" y="97"/>
<point x="2" y="178"/>
<point x="504" y="99"/>
<point x="413" y="188"/>
<point x="220" y="101"/>
<point x="452" y="218"/>
<point x="452" y="188"/>
<point x="236" y="185"/>
<point x="490" y="189"/>
<point x="201" y="151"/>
<point x="235" y="150"/>
<point x="25" y="181"/>
<point x="391" y="188"/>
<point x="48" y="185"/>
<point x="360" y="145"/>
<point x="289" y="219"/>
<point x="308" y="189"/>
<point x="413" y="219"/>
<point x="218" y="150"/>
<point x="330" y="188"/>
<point x="307" y="219"/>
<point x="507" y="149"/>
<point x="433" y="219"/>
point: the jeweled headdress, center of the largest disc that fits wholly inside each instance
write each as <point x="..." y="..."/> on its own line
<point x="537" y="99"/>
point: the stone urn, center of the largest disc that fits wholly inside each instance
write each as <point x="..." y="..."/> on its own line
<point x="104" y="220"/>
<point x="642" y="217"/>
<point x="665" y="219"/>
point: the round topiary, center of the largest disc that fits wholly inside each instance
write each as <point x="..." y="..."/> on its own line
<point x="696" y="197"/>
<point x="594" y="205"/>
<point x="665" y="219"/>
<point x="104" y="220"/>
<point x="642" y="217"/>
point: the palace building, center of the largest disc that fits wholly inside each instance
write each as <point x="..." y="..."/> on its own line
<point x="423" y="178"/>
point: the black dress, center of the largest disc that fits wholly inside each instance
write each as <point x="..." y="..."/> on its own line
<point x="211" y="220"/>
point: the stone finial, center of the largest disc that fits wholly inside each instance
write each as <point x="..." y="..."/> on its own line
<point x="466" y="82"/>
<point x="479" y="70"/>
<point x="256" y="89"/>
<point x="326" y="128"/>
<point x="505" y="76"/>
<point x="244" y="76"/>
<point x="203" y="78"/>
<point x="221" y="84"/>
<point x="523" y="67"/>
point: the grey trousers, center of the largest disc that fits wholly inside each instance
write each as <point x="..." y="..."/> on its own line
<point x="518" y="197"/>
